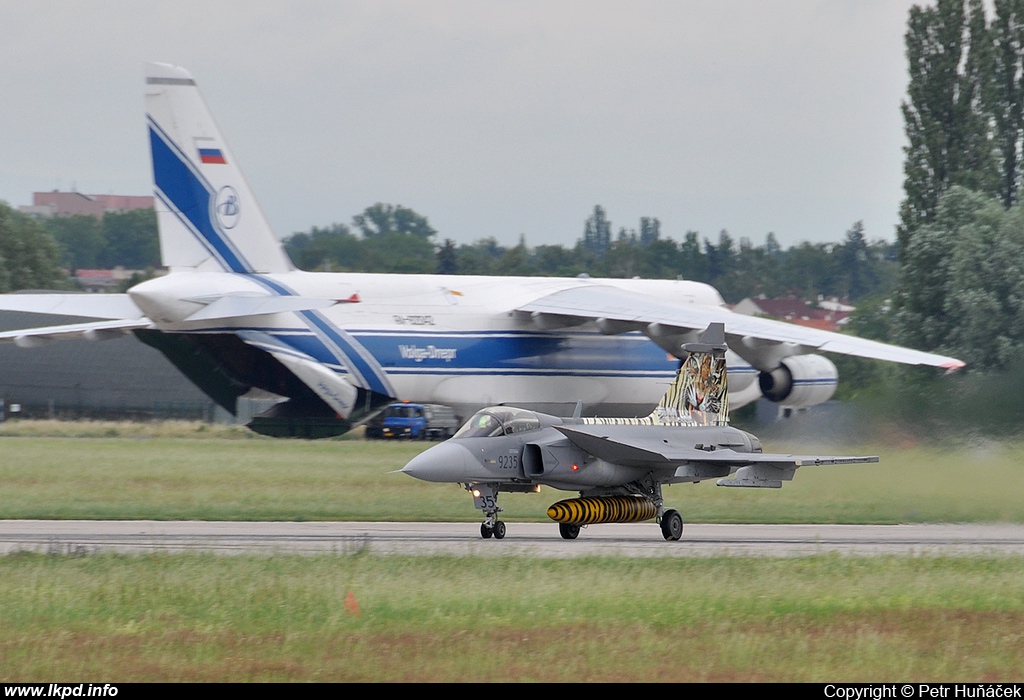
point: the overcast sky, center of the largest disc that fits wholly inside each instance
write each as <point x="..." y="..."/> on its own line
<point x="490" y="118"/>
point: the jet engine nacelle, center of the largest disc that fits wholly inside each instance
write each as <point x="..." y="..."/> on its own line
<point x="800" y="381"/>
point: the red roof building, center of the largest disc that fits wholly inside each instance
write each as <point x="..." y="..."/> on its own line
<point x="50" y="204"/>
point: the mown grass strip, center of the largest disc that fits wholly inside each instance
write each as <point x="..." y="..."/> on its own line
<point x="368" y="618"/>
<point x="167" y="478"/>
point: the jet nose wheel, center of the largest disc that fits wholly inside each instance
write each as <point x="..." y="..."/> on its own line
<point x="568" y="532"/>
<point x="497" y="531"/>
<point x="672" y="525"/>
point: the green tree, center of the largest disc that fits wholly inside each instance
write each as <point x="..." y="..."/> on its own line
<point x="332" y="248"/>
<point x="555" y="261"/>
<point x="29" y="257"/>
<point x="946" y="123"/>
<point x="383" y="219"/>
<point x="922" y="318"/>
<point x="447" y="258"/>
<point x="1005" y="98"/>
<point x="597" y="232"/>
<point x="481" y="258"/>
<point x="131" y="240"/>
<point x="80" y="238"/>
<point x="854" y="263"/>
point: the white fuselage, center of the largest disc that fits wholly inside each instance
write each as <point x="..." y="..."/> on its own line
<point x="454" y="340"/>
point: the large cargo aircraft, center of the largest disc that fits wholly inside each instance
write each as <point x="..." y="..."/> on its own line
<point x="234" y="315"/>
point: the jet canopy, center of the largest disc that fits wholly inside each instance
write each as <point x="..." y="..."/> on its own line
<point x="499" y="420"/>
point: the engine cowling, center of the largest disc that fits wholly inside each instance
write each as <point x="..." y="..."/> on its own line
<point x="800" y="381"/>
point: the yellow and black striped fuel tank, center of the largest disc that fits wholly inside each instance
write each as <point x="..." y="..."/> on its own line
<point x="602" y="509"/>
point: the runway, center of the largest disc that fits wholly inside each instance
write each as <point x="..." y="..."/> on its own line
<point x="82" y="537"/>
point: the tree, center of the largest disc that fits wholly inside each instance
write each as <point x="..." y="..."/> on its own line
<point x="597" y="232"/>
<point x="383" y="219"/>
<point x="650" y="230"/>
<point x="131" y="240"/>
<point x="1005" y="97"/>
<point x="80" y="238"/>
<point x="333" y="247"/>
<point x="447" y="258"/>
<point x="946" y="122"/>
<point x="28" y="255"/>
<point x="926" y="307"/>
<point x="854" y="263"/>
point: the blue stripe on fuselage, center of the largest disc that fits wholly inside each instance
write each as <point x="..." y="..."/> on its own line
<point x="360" y="362"/>
<point x="500" y="352"/>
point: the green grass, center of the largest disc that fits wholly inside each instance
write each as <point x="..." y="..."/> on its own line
<point x="183" y="472"/>
<point x="360" y="617"/>
<point x="367" y="618"/>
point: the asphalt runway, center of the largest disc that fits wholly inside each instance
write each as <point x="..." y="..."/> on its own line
<point x="80" y="537"/>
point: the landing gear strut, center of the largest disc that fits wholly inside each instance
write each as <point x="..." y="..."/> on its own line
<point x="485" y="498"/>
<point x="670" y="520"/>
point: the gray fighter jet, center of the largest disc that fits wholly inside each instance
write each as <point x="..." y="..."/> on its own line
<point x="618" y="465"/>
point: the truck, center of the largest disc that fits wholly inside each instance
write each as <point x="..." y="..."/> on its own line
<point x="419" y="421"/>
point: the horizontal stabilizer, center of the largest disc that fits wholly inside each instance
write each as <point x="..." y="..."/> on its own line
<point x="99" y="330"/>
<point x="111" y="306"/>
<point x="240" y="306"/>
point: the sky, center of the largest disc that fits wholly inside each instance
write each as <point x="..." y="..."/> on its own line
<point x="491" y="118"/>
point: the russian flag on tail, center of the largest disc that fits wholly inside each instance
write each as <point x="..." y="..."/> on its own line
<point x="212" y="155"/>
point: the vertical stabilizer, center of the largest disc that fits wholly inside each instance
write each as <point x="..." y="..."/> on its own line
<point x="699" y="394"/>
<point x="700" y="390"/>
<point x="207" y="215"/>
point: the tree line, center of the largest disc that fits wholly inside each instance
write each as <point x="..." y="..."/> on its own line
<point x="961" y="231"/>
<point x="854" y="268"/>
<point x="392" y="238"/>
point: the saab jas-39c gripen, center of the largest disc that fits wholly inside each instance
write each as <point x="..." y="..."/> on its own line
<point x="234" y="315"/>
<point x="617" y="464"/>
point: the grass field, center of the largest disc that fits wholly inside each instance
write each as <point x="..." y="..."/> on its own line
<point x="195" y="472"/>
<point x="367" y="618"/>
<point x="358" y="617"/>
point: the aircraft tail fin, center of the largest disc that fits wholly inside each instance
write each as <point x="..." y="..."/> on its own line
<point x="207" y="215"/>
<point x="700" y="393"/>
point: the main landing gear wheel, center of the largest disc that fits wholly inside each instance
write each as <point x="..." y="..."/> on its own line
<point x="672" y="525"/>
<point x="568" y="531"/>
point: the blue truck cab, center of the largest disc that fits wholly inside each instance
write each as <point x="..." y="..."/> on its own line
<point x="419" y="421"/>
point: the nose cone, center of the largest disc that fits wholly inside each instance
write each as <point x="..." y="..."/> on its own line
<point x="447" y="462"/>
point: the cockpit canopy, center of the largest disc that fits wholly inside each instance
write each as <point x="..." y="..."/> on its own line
<point x="499" y="420"/>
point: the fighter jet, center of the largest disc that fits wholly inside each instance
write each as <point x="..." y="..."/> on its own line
<point x="618" y="465"/>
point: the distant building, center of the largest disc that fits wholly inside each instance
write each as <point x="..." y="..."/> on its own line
<point x="46" y="205"/>
<point x="826" y="314"/>
<point x="107" y="280"/>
